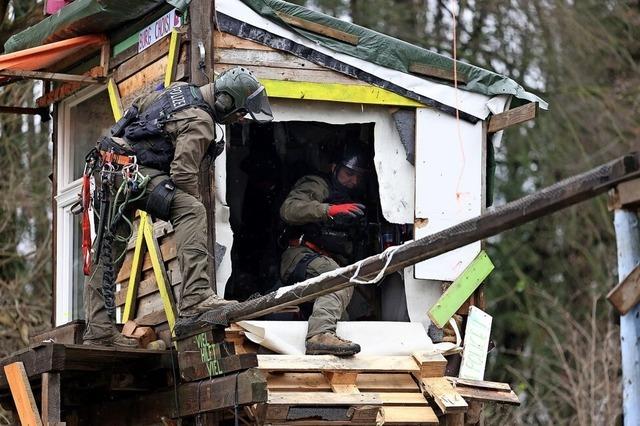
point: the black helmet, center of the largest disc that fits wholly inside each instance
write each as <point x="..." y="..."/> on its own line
<point x="238" y="91"/>
<point x="354" y="159"/>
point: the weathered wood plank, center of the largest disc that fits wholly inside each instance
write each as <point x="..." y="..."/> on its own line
<point x="51" y="407"/>
<point x="444" y="395"/>
<point x="366" y="382"/>
<point x="431" y="364"/>
<point x="410" y="415"/>
<point x="142" y="60"/>
<point x="319" y="28"/>
<point x="148" y="285"/>
<point x="488" y="395"/>
<point x="513" y="117"/>
<point x="167" y="248"/>
<point x="262" y="58"/>
<point x="625" y="195"/>
<point x="461" y="289"/>
<point x="358" y="363"/>
<point x="43" y="75"/>
<point x="298" y="74"/>
<point x="143" y="81"/>
<point x="626" y="294"/>
<point x="222" y="40"/>
<point x="196" y="365"/>
<point x="149" y="408"/>
<point x="322" y="398"/>
<point x="22" y="394"/>
<point x="436" y="72"/>
<point x="479" y="383"/>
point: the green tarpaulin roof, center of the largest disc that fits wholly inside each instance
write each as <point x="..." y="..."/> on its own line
<point x="95" y="16"/>
<point x="390" y="52"/>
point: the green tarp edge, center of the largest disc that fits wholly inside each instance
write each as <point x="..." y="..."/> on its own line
<point x="390" y="52"/>
<point x="79" y="18"/>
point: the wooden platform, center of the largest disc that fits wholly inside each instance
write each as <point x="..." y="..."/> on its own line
<point x="76" y="385"/>
<point x="106" y="386"/>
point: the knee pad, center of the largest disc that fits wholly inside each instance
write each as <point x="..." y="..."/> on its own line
<point x="159" y="201"/>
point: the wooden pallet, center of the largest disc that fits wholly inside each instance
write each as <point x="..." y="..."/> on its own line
<point x="360" y="390"/>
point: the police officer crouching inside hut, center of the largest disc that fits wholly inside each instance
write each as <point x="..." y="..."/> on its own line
<point x="151" y="162"/>
<point x="323" y="215"/>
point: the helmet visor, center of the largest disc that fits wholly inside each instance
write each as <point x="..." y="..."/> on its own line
<point x="257" y="105"/>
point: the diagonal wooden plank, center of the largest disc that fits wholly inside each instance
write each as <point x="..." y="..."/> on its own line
<point x="22" y="394"/>
<point x="444" y="395"/>
<point x="626" y="295"/>
<point x="461" y="289"/>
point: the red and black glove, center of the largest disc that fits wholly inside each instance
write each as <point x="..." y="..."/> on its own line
<point x="346" y="211"/>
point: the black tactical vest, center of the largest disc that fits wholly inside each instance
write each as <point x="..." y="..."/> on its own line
<point x="336" y="237"/>
<point x="145" y="131"/>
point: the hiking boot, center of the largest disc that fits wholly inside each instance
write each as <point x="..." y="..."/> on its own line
<point x="328" y="343"/>
<point x="116" y="340"/>
<point x="210" y="303"/>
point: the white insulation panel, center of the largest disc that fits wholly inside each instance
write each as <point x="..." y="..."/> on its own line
<point x="449" y="185"/>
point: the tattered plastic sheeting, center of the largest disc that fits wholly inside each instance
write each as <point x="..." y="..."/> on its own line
<point x="395" y="173"/>
<point x="450" y="164"/>
<point x="374" y="338"/>
<point x="469" y="102"/>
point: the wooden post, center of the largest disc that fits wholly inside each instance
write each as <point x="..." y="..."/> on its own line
<point x="628" y="242"/>
<point x="200" y="26"/>
<point x="51" y="399"/>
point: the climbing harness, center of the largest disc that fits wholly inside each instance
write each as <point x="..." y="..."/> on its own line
<point x="109" y="163"/>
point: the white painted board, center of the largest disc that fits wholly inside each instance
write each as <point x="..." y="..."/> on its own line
<point x="449" y="172"/>
<point x="476" y="342"/>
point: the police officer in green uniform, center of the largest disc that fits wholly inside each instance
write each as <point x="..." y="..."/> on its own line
<point x="169" y="132"/>
<point x="322" y="213"/>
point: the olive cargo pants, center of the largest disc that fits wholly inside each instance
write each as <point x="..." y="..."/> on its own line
<point x="188" y="217"/>
<point x="327" y="309"/>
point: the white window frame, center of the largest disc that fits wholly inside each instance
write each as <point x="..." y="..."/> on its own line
<point x="66" y="195"/>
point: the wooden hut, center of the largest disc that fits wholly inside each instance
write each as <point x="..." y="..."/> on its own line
<point x="430" y="125"/>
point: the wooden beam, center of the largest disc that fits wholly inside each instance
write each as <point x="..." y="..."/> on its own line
<point x="485" y="384"/>
<point x="335" y="92"/>
<point x="245" y="388"/>
<point x="314" y="27"/>
<point x="67" y="89"/>
<point x="201" y="16"/>
<point x="495" y="220"/>
<point x="365" y="382"/>
<point x="361" y="363"/>
<point x="513" y="117"/>
<point x="436" y="72"/>
<point x="461" y="289"/>
<point x="22" y="394"/>
<point x="43" y="75"/>
<point x="626" y="294"/>
<point x="172" y="62"/>
<point x="105" y="56"/>
<point x="625" y="196"/>
<point x="488" y="395"/>
<point x="444" y="395"/>
<point x="323" y="398"/>
<point x="431" y="364"/>
<point x="51" y="399"/>
<point x="42" y="112"/>
<point x="410" y="416"/>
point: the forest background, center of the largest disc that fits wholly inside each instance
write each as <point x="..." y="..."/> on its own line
<point x="557" y="338"/>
